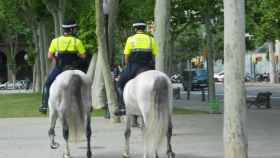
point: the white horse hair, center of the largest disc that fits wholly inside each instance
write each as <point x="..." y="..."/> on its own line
<point x="70" y="101"/>
<point x="149" y="95"/>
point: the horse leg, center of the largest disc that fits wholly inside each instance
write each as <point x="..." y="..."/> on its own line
<point x="65" y="129"/>
<point x="53" y="118"/>
<point x="142" y="126"/>
<point x="134" y="121"/>
<point x="170" y="153"/>
<point x="157" y="154"/>
<point x="127" y="136"/>
<point x="88" y="134"/>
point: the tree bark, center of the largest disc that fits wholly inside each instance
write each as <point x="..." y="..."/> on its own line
<point x="113" y="15"/>
<point x="57" y="9"/>
<point x="272" y="64"/>
<point x="98" y="86"/>
<point x="210" y="65"/>
<point x="92" y="66"/>
<point x="37" y="83"/>
<point x="41" y="52"/>
<point x="110" y="91"/>
<point x="45" y="44"/>
<point x="162" y="14"/>
<point x="235" y="111"/>
<point x="11" y="61"/>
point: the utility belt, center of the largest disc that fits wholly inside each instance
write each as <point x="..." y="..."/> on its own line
<point x="144" y="58"/>
<point x="67" y="60"/>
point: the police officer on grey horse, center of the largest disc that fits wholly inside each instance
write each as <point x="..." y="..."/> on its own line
<point x="68" y="52"/>
<point x="139" y="53"/>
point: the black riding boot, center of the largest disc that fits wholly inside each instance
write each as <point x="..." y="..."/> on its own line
<point x="121" y="108"/>
<point x="45" y="97"/>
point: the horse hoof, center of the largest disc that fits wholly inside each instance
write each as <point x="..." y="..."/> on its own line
<point x="54" y="146"/>
<point x="89" y="154"/>
<point x="125" y="155"/>
<point x="66" y="156"/>
<point x="171" y="155"/>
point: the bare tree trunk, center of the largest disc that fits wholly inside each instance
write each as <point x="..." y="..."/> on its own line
<point x="61" y="11"/>
<point x="110" y="91"/>
<point x="92" y="66"/>
<point x="37" y="83"/>
<point x="210" y="65"/>
<point x="162" y="14"/>
<point x="45" y="44"/>
<point x="235" y="111"/>
<point x="41" y="52"/>
<point x="57" y="10"/>
<point x="272" y="64"/>
<point x="98" y="86"/>
<point x="113" y="15"/>
<point x="170" y="50"/>
<point x="34" y="77"/>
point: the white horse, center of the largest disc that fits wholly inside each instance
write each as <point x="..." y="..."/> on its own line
<point x="149" y="95"/>
<point x="70" y="101"/>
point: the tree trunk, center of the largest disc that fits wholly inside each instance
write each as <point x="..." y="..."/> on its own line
<point x="170" y="50"/>
<point x="210" y="65"/>
<point x="110" y="91"/>
<point x="57" y="10"/>
<point x="37" y="83"/>
<point x="41" y="54"/>
<point x="98" y="87"/>
<point x="272" y="64"/>
<point x="113" y="15"/>
<point x="162" y="14"/>
<point x="60" y="12"/>
<point x="92" y="66"/>
<point x="235" y="110"/>
<point x="45" y="44"/>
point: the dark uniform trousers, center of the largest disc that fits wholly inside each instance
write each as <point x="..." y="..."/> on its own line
<point x="129" y="72"/>
<point x="65" y="61"/>
<point x="55" y="72"/>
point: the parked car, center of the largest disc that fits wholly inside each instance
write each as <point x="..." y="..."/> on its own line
<point x="19" y="84"/>
<point x="2" y="86"/>
<point x="219" y="77"/>
<point x="199" y="79"/>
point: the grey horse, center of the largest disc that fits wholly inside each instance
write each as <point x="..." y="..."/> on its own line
<point x="149" y="95"/>
<point x="70" y="101"/>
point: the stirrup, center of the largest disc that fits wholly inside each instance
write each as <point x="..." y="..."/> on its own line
<point x="120" y="112"/>
<point x="43" y="109"/>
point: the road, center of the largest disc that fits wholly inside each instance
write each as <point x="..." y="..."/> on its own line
<point x="195" y="136"/>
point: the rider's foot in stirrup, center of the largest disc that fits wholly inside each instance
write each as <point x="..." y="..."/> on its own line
<point x="43" y="109"/>
<point x="120" y="112"/>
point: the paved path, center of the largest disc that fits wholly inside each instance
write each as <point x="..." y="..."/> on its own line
<point x="195" y="136"/>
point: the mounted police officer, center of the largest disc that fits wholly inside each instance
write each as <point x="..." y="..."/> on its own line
<point x="139" y="53"/>
<point x="68" y="52"/>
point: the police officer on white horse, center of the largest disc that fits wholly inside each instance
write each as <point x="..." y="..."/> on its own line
<point x="67" y="51"/>
<point x="139" y="53"/>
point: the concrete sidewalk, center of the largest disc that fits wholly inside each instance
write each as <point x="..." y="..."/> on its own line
<point x="195" y="136"/>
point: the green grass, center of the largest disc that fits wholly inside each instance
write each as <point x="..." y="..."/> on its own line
<point x="26" y="105"/>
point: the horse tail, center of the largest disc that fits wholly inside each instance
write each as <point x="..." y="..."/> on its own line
<point x="74" y="113"/>
<point x="156" y="123"/>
